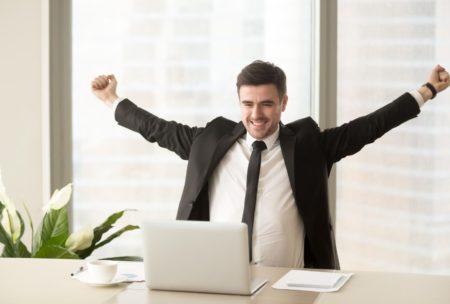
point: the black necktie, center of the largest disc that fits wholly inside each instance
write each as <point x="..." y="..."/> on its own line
<point x="252" y="189"/>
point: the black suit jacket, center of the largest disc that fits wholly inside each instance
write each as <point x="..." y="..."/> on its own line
<point x="309" y="155"/>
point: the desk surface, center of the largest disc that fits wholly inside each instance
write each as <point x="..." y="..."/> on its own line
<point x="48" y="281"/>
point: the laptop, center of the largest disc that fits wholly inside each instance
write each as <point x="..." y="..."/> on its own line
<point x="198" y="256"/>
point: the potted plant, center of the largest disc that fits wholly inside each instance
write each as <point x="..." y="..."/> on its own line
<point x="52" y="238"/>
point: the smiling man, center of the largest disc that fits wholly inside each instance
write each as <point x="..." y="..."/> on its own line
<point x="269" y="175"/>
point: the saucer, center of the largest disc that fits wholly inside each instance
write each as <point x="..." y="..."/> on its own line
<point x="84" y="277"/>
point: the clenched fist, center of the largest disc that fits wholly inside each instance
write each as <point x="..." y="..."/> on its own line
<point x="104" y="88"/>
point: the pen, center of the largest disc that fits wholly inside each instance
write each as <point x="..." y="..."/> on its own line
<point x="77" y="271"/>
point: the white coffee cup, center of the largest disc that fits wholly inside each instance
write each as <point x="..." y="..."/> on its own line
<point x="102" y="270"/>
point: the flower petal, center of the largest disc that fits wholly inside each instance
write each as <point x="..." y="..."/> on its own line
<point x="59" y="199"/>
<point x="11" y="223"/>
<point x="80" y="239"/>
<point x="10" y="220"/>
<point x="5" y="222"/>
<point x="2" y="186"/>
<point x="3" y="196"/>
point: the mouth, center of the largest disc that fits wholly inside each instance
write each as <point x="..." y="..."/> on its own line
<point x="257" y="123"/>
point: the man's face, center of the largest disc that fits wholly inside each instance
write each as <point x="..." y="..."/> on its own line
<point x="261" y="109"/>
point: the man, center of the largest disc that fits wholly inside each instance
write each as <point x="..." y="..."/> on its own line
<point x="287" y="210"/>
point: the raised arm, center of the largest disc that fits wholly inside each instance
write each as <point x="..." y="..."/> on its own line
<point x="171" y="135"/>
<point x="351" y="137"/>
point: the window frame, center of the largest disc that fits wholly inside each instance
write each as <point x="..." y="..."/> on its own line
<point x="60" y="94"/>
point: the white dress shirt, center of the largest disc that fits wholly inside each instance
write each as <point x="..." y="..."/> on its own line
<point x="278" y="234"/>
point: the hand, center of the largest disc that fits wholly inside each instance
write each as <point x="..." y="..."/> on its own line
<point x="104" y="88"/>
<point x="439" y="78"/>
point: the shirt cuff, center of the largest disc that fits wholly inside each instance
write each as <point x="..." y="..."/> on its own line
<point x="418" y="97"/>
<point x="116" y="103"/>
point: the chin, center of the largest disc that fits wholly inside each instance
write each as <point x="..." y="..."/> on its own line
<point x="258" y="135"/>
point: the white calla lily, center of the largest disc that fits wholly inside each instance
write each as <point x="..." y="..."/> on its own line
<point x="2" y="186"/>
<point x="11" y="223"/>
<point x="10" y="220"/>
<point x="59" y="199"/>
<point x="80" y="239"/>
<point x="3" y="197"/>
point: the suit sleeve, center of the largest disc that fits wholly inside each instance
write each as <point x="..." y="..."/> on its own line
<point x="168" y="134"/>
<point x="351" y="137"/>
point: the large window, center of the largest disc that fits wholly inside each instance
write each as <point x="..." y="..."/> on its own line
<point x="178" y="59"/>
<point x="393" y="198"/>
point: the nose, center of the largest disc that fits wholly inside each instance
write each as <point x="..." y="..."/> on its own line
<point x="256" y="112"/>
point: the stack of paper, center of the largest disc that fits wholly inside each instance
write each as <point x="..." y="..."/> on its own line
<point x="312" y="280"/>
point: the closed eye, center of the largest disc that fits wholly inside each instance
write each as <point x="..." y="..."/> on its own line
<point x="247" y="103"/>
<point x="268" y="103"/>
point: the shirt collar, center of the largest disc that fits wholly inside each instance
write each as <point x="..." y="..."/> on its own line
<point x="269" y="140"/>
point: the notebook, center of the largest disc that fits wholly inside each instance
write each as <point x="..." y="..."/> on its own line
<point x="316" y="281"/>
<point x="198" y="257"/>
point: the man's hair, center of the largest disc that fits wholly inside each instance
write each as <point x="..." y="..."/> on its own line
<point x="261" y="72"/>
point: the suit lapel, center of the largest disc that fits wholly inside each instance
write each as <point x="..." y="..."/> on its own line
<point x="224" y="144"/>
<point x="287" y="143"/>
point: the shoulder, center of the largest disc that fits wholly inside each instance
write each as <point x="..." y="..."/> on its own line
<point x="221" y="121"/>
<point x="304" y="125"/>
<point x="220" y="124"/>
<point x="217" y="127"/>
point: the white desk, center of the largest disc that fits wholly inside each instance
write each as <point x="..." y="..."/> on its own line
<point x="48" y="281"/>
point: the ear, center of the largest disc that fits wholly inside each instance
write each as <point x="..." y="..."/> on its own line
<point x="284" y="102"/>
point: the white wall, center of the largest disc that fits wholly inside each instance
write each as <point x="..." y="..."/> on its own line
<point x="24" y="102"/>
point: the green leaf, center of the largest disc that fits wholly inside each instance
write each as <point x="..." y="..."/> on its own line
<point x="116" y="235"/>
<point x="36" y="240"/>
<point x="22" y="226"/>
<point x="8" y="252"/>
<point x="17" y="250"/>
<point x="55" y="227"/>
<point x="31" y="223"/>
<point x="55" y="252"/>
<point x="5" y="238"/>
<point x="53" y="230"/>
<point x="86" y="252"/>
<point x="106" y="225"/>
<point x="99" y="231"/>
<point x="21" y="250"/>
